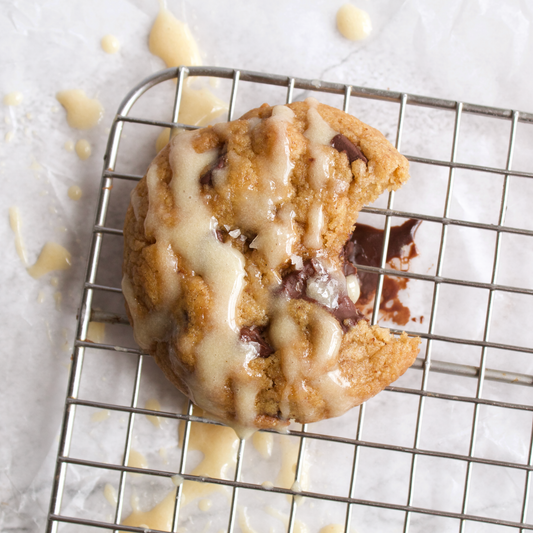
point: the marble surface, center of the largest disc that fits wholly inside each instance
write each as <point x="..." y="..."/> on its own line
<point x="475" y="51"/>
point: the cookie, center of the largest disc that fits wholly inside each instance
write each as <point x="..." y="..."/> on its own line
<point x="234" y="265"/>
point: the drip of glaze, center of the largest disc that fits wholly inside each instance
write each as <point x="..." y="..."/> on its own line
<point x="332" y="528"/>
<point x="100" y="416"/>
<point x="296" y="487"/>
<point x="69" y="146"/>
<point x="137" y="459"/>
<point x="199" y="107"/>
<point x="204" y="505"/>
<point x="244" y="521"/>
<point x="13" y="99"/>
<point x="319" y="134"/>
<point x="263" y="442"/>
<point x="276" y="240"/>
<point x="318" y="131"/>
<point x="83" y="113"/>
<point x="172" y="41"/>
<point x="74" y="192"/>
<point x="110" y="44"/>
<point x="14" y="222"/>
<point x="153" y="405"/>
<point x="216" y="461"/>
<point x="221" y="355"/>
<point x="321" y="373"/>
<point x="52" y="257"/>
<point x="164" y="455"/>
<point x="299" y="527"/>
<point x="177" y="480"/>
<point x="256" y="213"/>
<point x="83" y="149"/>
<point x="96" y="332"/>
<point x="286" y="337"/>
<point x="279" y="165"/>
<point x="289" y="457"/>
<point x="58" y="298"/>
<point x="110" y="494"/>
<point x="159" y="517"/>
<point x="313" y="235"/>
<point x="353" y="23"/>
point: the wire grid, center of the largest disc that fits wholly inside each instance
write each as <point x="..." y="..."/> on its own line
<point x="481" y="373"/>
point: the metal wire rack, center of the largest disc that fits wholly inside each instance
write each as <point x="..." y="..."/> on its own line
<point x="356" y="504"/>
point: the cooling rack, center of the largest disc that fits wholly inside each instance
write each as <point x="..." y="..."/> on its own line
<point x="462" y="459"/>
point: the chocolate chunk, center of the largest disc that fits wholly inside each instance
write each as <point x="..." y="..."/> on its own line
<point x="220" y="235"/>
<point x="294" y="285"/>
<point x="207" y="177"/>
<point x="346" y="309"/>
<point x="343" y="144"/>
<point x="255" y="336"/>
<point x="346" y="313"/>
<point x="348" y="256"/>
<point x="250" y="237"/>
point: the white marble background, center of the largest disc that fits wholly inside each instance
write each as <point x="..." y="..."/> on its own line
<point x="478" y="51"/>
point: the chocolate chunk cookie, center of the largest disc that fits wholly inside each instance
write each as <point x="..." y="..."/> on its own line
<point x="234" y="269"/>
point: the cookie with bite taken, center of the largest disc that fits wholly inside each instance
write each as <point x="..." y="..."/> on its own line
<point x="235" y="274"/>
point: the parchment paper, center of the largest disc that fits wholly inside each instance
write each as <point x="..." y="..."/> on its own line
<point x="476" y="51"/>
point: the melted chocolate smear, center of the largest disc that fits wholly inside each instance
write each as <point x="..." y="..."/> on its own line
<point x="348" y="256"/>
<point x="294" y="285"/>
<point x="347" y="313"/>
<point x="343" y="144"/>
<point x="255" y="336"/>
<point x="364" y="248"/>
<point x="207" y="177"/>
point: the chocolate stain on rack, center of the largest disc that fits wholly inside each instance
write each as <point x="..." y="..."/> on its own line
<point x="364" y="248"/>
